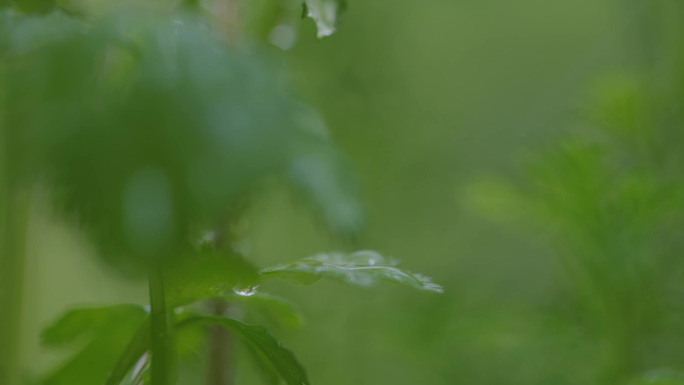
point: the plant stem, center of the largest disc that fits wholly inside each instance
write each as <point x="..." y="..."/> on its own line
<point x="221" y="342"/>
<point x="161" y="366"/>
<point x="12" y="261"/>
<point x="221" y="349"/>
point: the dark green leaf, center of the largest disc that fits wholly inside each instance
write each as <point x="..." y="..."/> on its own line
<point x="105" y="333"/>
<point x="362" y="268"/>
<point x="282" y="360"/>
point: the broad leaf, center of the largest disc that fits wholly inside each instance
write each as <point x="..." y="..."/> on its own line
<point x="207" y="274"/>
<point x="275" y="308"/>
<point x="325" y="13"/>
<point x="362" y="268"/>
<point x="282" y="360"/>
<point x="105" y="333"/>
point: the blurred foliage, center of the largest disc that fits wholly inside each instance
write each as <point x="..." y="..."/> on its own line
<point x="108" y="330"/>
<point x="152" y="125"/>
<point x="609" y="198"/>
<point x="562" y="267"/>
<point x="154" y="133"/>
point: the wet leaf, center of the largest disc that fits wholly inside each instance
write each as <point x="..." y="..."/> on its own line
<point x="258" y="338"/>
<point x="362" y="268"/>
<point x="207" y="274"/>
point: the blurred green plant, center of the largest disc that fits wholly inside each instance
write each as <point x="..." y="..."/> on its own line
<point x="155" y="134"/>
<point x="609" y="199"/>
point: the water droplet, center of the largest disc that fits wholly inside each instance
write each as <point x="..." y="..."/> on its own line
<point x="246" y="291"/>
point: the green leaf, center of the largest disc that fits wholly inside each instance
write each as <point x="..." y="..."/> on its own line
<point x="362" y="268"/>
<point x="269" y="374"/>
<point x="141" y="374"/>
<point x="104" y="333"/>
<point x="325" y="13"/>
<point x="272" y="307"/>
<point x="282" y="360"/>
<point x="323" y="177"/>
<point x="208" y="274"/>
<point x="137" y="346"/>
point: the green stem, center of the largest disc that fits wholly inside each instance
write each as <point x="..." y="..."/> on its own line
<point x="161" y="366"/>
<point x="12" y="262"/>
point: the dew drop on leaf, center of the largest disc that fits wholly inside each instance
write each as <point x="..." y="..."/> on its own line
<point x="246" y="291"/>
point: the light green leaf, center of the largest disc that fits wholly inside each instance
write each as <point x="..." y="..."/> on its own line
<point x="105" y="332"/>
<point x="325" y="13"/>
<point x="282" y="360"/>
<point x="362" y="268"/>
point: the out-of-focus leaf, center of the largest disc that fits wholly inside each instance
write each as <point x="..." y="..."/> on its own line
<point x="282" y="360"/>
<point x="105" y="333"/>
<point x="267" y="371"/>
<point x="132" y="366"/>
<point x="201" y="126"/>
<point x="325" y="13"/>
<point x="660" y="377"/>
<point x="34" y="6"/>
<point x="621" y="106"/>
<point x="497" y="200"/>
<point x="324" y="177"/>
<point x="207" y="274"/>
<point x="273" y="307"/>
<point x="362" y="268"/>
<point x="137" y="346"/>
<point x="140" y="375"/>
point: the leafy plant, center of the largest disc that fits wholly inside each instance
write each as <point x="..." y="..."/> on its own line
<point x="609" y="200"/>
<point x="155" y="134"/>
